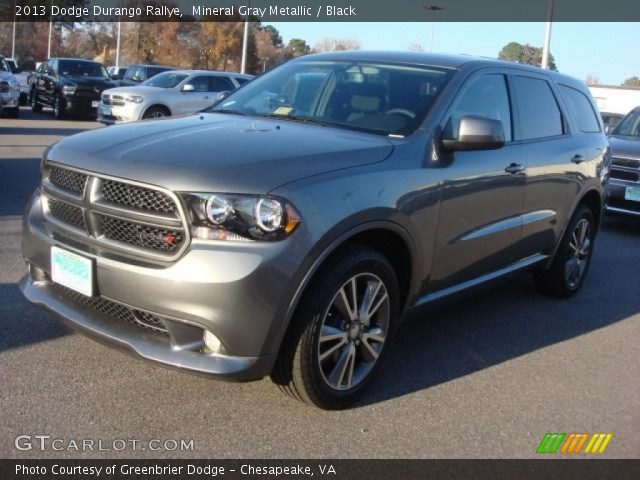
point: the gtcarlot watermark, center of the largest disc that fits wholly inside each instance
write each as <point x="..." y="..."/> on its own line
<point x="42" y="442"/>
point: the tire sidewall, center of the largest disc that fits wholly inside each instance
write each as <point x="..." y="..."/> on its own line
<point x="374" y="265"/>
<point x="563" y="253"/>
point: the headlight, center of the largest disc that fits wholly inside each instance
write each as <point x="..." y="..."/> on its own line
<point x="240" y="217"/>
<point x="68" y="89"/>
<point x="134" y="99"/>
<point x="4" y="86"/>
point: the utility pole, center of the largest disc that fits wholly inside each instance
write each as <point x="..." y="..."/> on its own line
<point x="13" y="38"/>
<point x="434" y="9"/>
<point x="547" y="37"/>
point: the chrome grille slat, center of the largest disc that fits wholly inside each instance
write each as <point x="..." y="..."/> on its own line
<point x="139" y="235"/>
<point x="67" y="213"/>
<point x="137" y="197"/>
<point x="68" y="180"/>
<point x="120" y="215"/>
<point x="625" y="162"/>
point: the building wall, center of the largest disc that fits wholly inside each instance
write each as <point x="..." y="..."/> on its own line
<point x="613" y="99"/>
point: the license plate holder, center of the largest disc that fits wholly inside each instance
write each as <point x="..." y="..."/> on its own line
<point x="632" y="194"/>
<point x="95" y="103"/>
<point x="72" y="271"/>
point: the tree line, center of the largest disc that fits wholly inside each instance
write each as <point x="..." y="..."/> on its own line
<point x="190" y="44"/>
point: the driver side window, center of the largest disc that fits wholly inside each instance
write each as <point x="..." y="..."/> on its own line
<point x="487" y="96"/>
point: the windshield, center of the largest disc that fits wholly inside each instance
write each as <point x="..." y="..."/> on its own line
<point x="367" y="96"/>
<point x="12" y="65"/>
<point x="165" y="80"/>
<point x="629" y="126"/>
<point x="69" y="68"/>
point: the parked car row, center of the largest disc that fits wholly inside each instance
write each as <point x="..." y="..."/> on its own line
<point x="124" y="94"/>
<point x="9" y="90"/>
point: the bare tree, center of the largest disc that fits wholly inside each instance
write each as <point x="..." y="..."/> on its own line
<point x="329" y="44"/>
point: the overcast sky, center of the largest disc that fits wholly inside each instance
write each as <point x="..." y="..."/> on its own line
<point x="608" y="51"/>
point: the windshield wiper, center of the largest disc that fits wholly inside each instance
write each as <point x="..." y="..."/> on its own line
<point x="295" y="118"/>
<point x="228" y="111"/>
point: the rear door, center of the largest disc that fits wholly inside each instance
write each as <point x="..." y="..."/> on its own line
<point x="552" y="153"/>
<point x="482" y="191"/>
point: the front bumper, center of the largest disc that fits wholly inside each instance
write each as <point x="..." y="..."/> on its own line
<point x="616" y="202"/>
<point x="9" y="100"/>
<point x="80" y="104"/>
<point x="239" y="292"/>
<point x="111" y="114"/>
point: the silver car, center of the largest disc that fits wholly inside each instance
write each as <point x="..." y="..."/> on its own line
<point x="9" y="91"/>
<point x="176" y="92"/>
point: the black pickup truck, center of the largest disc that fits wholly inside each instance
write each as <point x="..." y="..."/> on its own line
<point x="68" y="85"/>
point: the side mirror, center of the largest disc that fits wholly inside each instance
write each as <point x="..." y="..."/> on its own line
<point x="136" y="78"/>
<point x="608" y="129"/>
<point x="476" y="133"/>
<point x="188" y="88"/>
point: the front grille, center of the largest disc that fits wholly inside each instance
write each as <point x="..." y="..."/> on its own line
<point x="68" y="180"/>
<point x="137" y="197"/>
<point x="140" y="235"/>
<point x="626" y="162"/>
<point x="112" y="309"/>
<point x="67" y="213"/>
<point x="114" y="214"/>
<point x="108" y="99"/>
<point x="624" y="175"/>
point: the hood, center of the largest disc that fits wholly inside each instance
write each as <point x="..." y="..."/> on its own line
<point x="137" y="90"/>
<point x="218" y="153"/>
<point x="8" y="77"/>
<point x="89" y="82"/>
<point x="623" y="146"/>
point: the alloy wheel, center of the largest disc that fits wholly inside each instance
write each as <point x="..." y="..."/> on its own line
<point x="353" y="331"/>
<point x="579" y="251"/>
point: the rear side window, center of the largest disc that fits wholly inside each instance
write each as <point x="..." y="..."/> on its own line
<point x="152" y="71"/>
<point x="537" y="108"/>
<point x="220" y="84"/>
<point x="487" y="96"/>
<point x="581" y="109"/>
<point x="241" y="80"/>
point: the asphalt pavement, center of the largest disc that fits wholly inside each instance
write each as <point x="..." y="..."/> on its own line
<point x="484" y="377"/>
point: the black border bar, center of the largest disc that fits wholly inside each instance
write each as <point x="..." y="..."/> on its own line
<point x="178" y="469"/>
<point x="320" y="10"/>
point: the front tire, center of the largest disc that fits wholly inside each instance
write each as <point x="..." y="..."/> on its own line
<point x="571" y="263"/>
<point x="341" y="331"/>
<point x="59" y="109"/>
<point x="35" y="106"/>
<point x="155" y="112"/>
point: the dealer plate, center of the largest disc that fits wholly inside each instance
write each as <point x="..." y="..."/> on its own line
<point x="72" y="270"/>
<point x="95" y="103"/>
<point x="632" y="194"/>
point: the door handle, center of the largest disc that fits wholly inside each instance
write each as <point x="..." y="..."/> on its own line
<point x="206" y="97"/>
<point x="578" y="159"/>
<point x="515" y="168"/>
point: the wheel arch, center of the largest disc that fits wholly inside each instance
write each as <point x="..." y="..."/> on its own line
<point x="156" y="105"/>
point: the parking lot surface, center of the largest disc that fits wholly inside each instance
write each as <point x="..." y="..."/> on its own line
<point x="484" y="377"/>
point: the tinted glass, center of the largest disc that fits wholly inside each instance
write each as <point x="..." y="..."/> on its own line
<point x="220" y="84"/>
<point x="538" y="110"/>
<point x="372" y="97"/>
<point x="487" y="96"/>
<point x="200" y="84"/>
<point x="630" y="125"/>
<point x="165" y="80"/>
<point x="581" y="109"/>
<point x="151" y="71"/>
<point x="241" y="81"/>
<point x="70" y="68"/>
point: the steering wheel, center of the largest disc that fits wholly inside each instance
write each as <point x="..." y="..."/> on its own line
<point x="401" y="111"/>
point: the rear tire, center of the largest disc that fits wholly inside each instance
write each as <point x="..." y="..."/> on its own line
<point x="341" y="331"/>
<point x="571" y="263"/>
<point x="33" y="100"/>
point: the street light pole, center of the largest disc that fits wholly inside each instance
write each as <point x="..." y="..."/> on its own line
<point x="434" y="9"/>
<point x="50" y="29"/>
<point x="118" y="47"/>
<point x="547" y="36"/>
<point x="13" y="38"/>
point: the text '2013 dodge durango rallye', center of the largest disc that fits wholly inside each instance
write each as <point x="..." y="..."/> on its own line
<point x="285" y="230"/>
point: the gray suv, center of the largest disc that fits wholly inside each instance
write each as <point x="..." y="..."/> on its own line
<point x="284" y="231"/>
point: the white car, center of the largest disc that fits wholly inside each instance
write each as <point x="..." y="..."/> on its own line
<point x="176" y="92"/>
<point x="22" y="78"/>
<point x="9" y="91"/>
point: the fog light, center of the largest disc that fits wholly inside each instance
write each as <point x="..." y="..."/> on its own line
<point x="211" y="342"/>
